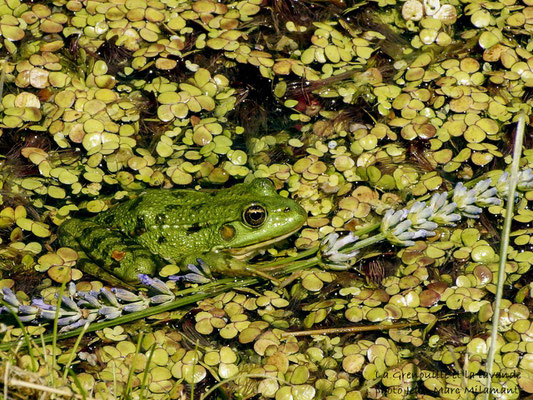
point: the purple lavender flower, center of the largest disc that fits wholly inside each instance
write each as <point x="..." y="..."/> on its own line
<point x="79" y="323"/>
<point x="525" y="180"/>
<point x="10" y="298"/>
<point x="109" y="296"/>
<point x="155" y="283"/>
<point x="465" y="200"/>
<point x="125" y="295"/>
<point x="110" y="312"/>
<point x="442" y="210"/>
<point x="42" y="305"/>
<point x="89" y="299"/>
<point x="134" y="307"/>
<point x="68" y="320"/>
<point x="68" y="302"/>
<point x="201" y="274"/>
<point x="485" y="194"/>
<point x="194" y="278"/>
<point x="161" y="298"/>
<point x="336" y="251"/>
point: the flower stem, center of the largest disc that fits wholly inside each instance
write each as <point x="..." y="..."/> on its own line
<point x="367" y="229"/>
<point x="506" y="232"/>
<point x="368" y="241"/>
<point x="353" y="329"/>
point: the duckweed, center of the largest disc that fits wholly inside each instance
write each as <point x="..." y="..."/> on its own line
<point x="357" y="111"/>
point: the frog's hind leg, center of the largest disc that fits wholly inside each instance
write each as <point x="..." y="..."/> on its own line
<point x="88" y="266"/>
<point x="106" y="253"/>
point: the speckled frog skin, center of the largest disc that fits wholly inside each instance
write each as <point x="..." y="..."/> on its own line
<point x="230" y="225"/>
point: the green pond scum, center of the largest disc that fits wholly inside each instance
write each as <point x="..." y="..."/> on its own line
<point x="265" y="199"/>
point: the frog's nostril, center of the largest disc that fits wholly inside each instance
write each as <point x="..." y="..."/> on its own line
<point x="287" y="209"/>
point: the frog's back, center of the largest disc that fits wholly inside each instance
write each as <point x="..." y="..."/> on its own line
<point x="155" y="207"/>
<point x="173" y="223"/>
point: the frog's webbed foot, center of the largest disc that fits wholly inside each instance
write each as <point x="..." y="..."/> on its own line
<point x="105" y="253"/>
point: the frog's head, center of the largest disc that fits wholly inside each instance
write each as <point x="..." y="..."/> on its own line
<point x="264" y="217"/>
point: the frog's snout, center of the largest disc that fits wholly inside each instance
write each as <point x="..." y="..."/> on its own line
<point x="297" y="213"/>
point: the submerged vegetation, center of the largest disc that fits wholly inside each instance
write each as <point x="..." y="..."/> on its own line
<point x="391" y="122"/>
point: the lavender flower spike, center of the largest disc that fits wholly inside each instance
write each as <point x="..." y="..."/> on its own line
<point x="161" y="298"/>
<point x="79" y="323"/>
<point x="404" y="236"/>
<point x="502" y="185"/>
<point x="485" y="194"/>
<point x="393" y="218"/>
<point x="72" y="289"/>
<point x="68" y="302"/>
<point x="125" y="295"/>
<point x="27" y="318"/>
<point x="156" y="284"/>
<point x="110" y="312"/>
<point x="401" y="227"/>
<point x="9" y="297"/>
<point x="42" y="305"/>
<point x="465" y="200"/>
<point x="525" y="180"/>
<point x="191" y="277"/>
<point x="74" y="325"/>
<point x="419" y="214"/>
<point x="28" y="310"/>
<point x="442" y="210"/>
<point x="81" y="308"/>
<point x="198" y="274"/>
<point x="49" y="314"/>
<point x="109" y="296"/>
<point x="28" y="313"/>
<point x="332" y="245"/>
<point x="134" y="307"/>
<point x="68" y="320"/>
<point x="404" y="239"/>
<point x="90" y="298"/>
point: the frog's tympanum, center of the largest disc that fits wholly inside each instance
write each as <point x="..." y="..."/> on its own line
<point x="224" y="227"/>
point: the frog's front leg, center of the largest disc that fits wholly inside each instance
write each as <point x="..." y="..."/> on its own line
<point x="106" y="253"/>
<point x="224" y="264"/>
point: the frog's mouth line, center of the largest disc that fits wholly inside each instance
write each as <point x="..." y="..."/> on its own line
<point x="244" y="253"/>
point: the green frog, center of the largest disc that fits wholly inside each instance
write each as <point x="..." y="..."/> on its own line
<point x="225" y="228"/>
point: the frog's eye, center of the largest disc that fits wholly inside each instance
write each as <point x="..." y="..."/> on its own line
<point x="254" y="215"/>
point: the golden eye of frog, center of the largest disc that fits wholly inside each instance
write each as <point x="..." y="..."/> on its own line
<point x="181" y="225"/>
